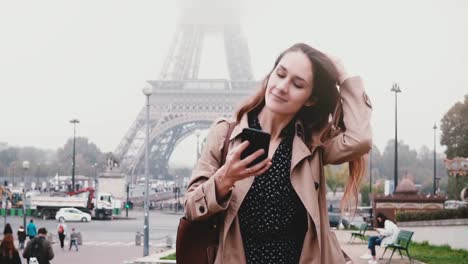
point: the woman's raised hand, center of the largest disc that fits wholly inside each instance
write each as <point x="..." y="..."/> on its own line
<point x="340" y="68"/>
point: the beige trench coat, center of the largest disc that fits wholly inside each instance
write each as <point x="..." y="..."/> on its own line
<point x="307" y="178"/>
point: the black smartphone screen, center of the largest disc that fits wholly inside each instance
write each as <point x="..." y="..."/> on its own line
<point x="258" y="140"/>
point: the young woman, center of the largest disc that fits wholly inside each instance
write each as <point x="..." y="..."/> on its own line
<point x="62" y="232"/>
<point x="388" y="233"/>
<point x="276" y="211"/>
<point x="7" y="230"/>
<point x="8" y="252"/>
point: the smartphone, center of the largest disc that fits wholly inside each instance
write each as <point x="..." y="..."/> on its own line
<point x="257" y="140"/>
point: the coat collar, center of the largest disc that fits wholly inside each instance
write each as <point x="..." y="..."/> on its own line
<point x="300" y="150"/>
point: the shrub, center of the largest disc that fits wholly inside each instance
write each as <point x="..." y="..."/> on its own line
<point x="459" y="213"/>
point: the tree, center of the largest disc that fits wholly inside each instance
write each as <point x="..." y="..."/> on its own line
<point x="377" y="163"/>
<point x="336" y="176"/>
<point x="40" y="163"/>
<point x="454" y="127"/>
<point x="407" y="158"/>
<point x="86" y="154"/>
<point x="365" y="194"/>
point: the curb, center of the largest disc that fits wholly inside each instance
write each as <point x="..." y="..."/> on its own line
<point x="154" y="258"/>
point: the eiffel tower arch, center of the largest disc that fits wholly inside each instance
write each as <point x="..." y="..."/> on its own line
<point x="181" y="102"/>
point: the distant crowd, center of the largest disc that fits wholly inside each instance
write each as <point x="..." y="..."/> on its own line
<point x="38" y="249"/>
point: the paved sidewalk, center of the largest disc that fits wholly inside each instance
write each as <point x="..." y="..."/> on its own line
<point x="359" y="248"/>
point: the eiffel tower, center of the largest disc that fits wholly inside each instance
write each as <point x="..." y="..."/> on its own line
<point x="181" y="102"/>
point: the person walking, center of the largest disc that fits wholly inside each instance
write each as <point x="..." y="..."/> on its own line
<point x="62" y="232"/>
<point x="21" y="236"/>
<point x="275" y="210"/>
<point x="7" y="230"/>
<point x="31" y="229"/>
<point x="8" y="252"/>
<point x="73" y="240"/>
<point x="388" y="233"/>
<point x="38" y="249"/>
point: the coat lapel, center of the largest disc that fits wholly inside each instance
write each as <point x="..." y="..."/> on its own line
<point x="242" y="187"/>
<point x="238" y="195"/>
<point x="302" y="180"/>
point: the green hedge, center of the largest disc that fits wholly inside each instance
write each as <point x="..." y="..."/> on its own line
<point x="459" y="213"/>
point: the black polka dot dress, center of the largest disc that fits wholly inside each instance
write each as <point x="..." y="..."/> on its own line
<point x="272" y="218"/>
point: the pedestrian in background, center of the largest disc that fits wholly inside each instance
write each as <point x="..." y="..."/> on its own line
<point x="73" y="238"/>
<point x="62" y="232"/>
<point x="39" y="248"/>
<point x="21" y="236"/>
<point x="7" y="230"/>
<point x="31" y="229"/>
<point x="388" y="234"/>
<point x="8" y="252"/>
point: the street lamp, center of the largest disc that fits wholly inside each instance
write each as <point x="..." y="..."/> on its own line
<point x="370" y="187"/>
<point x="74" y="122"/>
<point x="12" y="174"/>
<point x="197" y="134"/>
<point x="94" y="166"/>
<point x="147" y="92"/>
<point x="132" y="180"/>
<point x="435" y="127"/>
<point x="25" y="167"/>
<point x="396" y="89"/>
<point x="370" y="173"/>
<point x="176" y="193"/>
<point x="38" y="171"/>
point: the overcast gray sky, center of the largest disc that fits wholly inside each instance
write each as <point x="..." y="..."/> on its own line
<point x="90" y="59"/>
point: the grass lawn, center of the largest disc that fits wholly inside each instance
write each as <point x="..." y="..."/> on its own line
<point x="423" y="252"/>
<point x="169" y="257"/>
<point x="437" y="254"/>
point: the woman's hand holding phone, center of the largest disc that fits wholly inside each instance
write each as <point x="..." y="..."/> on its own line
<point x="236" y="169"/>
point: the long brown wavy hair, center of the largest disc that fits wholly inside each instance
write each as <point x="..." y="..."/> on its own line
<point x="8" y="246"/>
<point x="325" y="117"/>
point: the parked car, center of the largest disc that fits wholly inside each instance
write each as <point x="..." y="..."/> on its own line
<point x="335" y="219"/>
<point x="455" y="204"/>
<point x="72" y="214"/>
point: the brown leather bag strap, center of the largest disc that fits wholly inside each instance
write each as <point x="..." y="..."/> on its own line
<point x="226" y="142"/>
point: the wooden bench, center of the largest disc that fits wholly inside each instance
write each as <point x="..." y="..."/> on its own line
<point x="402" y="243"/>
<point x="360" y="234"/>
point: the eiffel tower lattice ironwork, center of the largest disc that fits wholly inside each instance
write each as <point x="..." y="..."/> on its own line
<point x="181" y="102"/>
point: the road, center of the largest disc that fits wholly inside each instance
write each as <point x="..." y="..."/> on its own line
<point x="109" y="241"/>
<point x="114" y="241"/>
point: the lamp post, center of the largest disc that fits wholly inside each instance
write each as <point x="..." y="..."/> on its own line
<point x="74" y="122"/>
<point x="4" y="207"/>
<point x="370" y="188"/>
<point x="94" y="166"/>
<point x="435" y="166"/>
<point x="370" y="173"/>
<point x="128" y="200"/>
<point x="12" y="174"/>
<point x="132" y="180"/>
<point x="176" y="193"/>
<point x="147" y="92"/>
<point x="25" y="167"/>
<point x="197" y="134"/>
<point x="396" y="89"/>
<point x="38" y="171"/>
